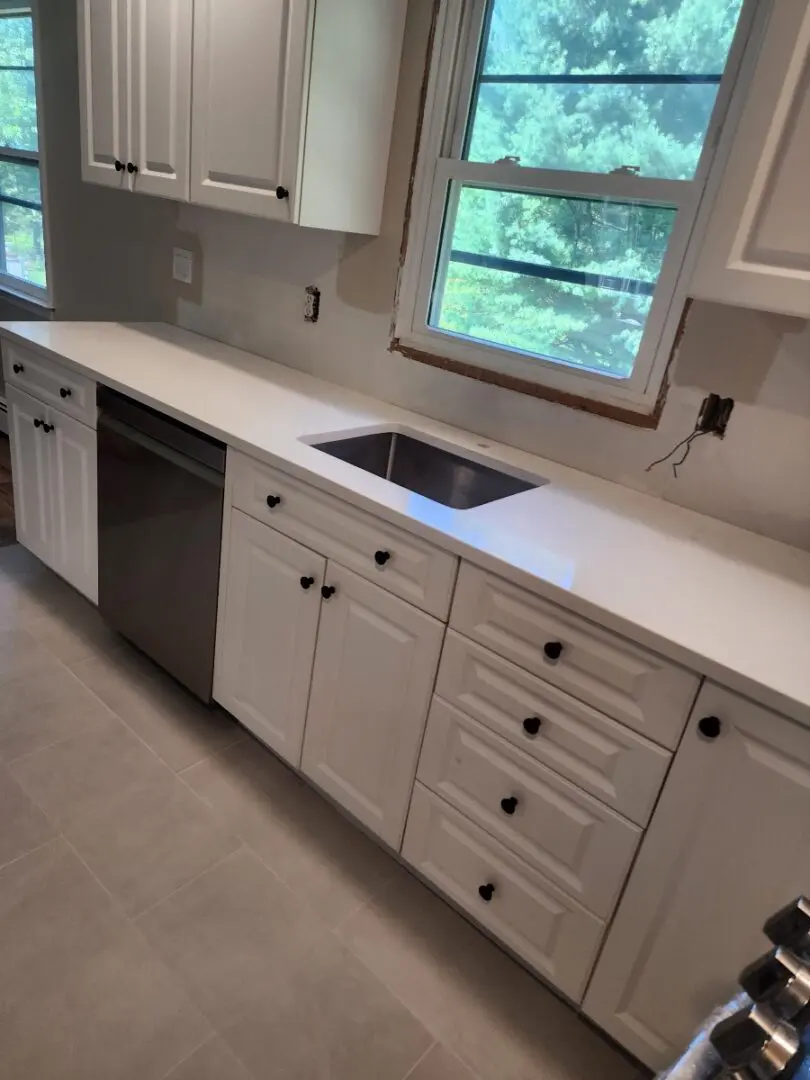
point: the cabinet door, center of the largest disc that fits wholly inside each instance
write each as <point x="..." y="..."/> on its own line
<point x="161" y="96"/>
<point x="374" y="670"/>
<point x="250" y="61"/>
<point x="74" y="486"/>
<point x="30" y="473"/>
<point x="727" y="846"/>
<point x="104" y="90"/>
<point x="266" y="633"/>
<point x="757" y="247"/>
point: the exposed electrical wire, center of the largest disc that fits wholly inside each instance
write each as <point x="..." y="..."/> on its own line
<point x="686" y="444"/>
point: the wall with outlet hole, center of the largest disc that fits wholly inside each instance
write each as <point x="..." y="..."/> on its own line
<point x="251" y="294"/>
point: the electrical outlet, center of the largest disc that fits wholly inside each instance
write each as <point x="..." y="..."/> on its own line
<point x="312" y="303"/>
<point x="183" y="265"/>
<point x="714" y="415"/>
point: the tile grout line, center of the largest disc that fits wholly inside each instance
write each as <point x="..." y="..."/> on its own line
<point x="420" y="1059"/>
<point x="182" y="1061"/>
<point x="191" y="881"/>
<point x="39" y="847"/>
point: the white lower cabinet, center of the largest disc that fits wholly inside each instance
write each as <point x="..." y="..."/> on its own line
<point x="552" y="932"/>
<point x="55" y="485"/>
<point x="267" y="630"/>
<point x="728" y="845"/>
<point x="375" y="666"/>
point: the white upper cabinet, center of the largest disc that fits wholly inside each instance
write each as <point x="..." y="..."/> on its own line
<point x="135" y="93"/>
<point x="727" y="846"/>
<point x="756" y="251"/>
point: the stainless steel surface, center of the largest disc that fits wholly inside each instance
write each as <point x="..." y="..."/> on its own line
<point x="782" y="982"/>
<point x="428" y="470"/>
<point x="753" y="1042"/>
<point x="160" y="502"/>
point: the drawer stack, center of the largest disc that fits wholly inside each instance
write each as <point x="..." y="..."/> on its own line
<point x="547" y="743"/>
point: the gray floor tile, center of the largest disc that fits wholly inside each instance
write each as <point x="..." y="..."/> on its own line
<point x="72" y="629"/>
<point x="43" y="705"/>
<point x="149" y="840"/>
<point x="288" y="998"/>
<point x="213" y="1061"/>
<point x="22" y="825"/>
<point x="82" y="994"/>
<point x="477" y="1001"/>
<point x="20" y="654"/>
<point x="80" y="779"/>
<point x="321" y="856"/>
<point x="178" y="727"/>
<point x="440" y="1064"/>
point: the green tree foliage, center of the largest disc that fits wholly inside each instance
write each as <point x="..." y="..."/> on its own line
<point x="588" y="127"/>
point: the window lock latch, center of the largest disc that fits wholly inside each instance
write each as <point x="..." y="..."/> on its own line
<point x="626" y="170"/>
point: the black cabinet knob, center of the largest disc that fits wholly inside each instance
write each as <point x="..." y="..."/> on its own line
<point x="486" y="892"/>
<point x="47" y="427"/>
<point x="531" y="725"/>
<point x="553" y="650"/>
<point x="64" y="392"/>
<point x="37" y="423"/>
<point x="510" y="805"/>
<point x="119" y="166"/>
<point x="273" y="501"/>
<point x="328" y="591"/>
<point x="381" y="557"/>
<point x="282" y="193"/>
<point x="709" y="727"/>
<point x="17" y="369"/>
<point x="307" y="582"/>
<point x="131" y="168"/>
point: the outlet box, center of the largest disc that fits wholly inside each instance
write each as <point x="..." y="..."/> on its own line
<point x="312" y="303"/>
<point x="183" y="265"/>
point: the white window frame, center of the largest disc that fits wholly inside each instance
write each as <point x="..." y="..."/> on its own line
<point x="440" y="171"/>
<point x="10" y="284"/>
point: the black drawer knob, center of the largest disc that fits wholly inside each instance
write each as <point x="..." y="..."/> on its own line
<point x="64" y="392"/>
<point x="47" y="428"/>
<point x="510" y="805"/>
<point x="37" y="423"/>
<point x="273" y="501"/>
<point x="131" y="168"/>
<point x="282" y="193"/>
<point x="307" y="582"/>
<point x="531" y="725"/>
<point x="381" y="557"/>
<point x="486" y="892"/>
<point x="119" y="166"/>
<point x="709" y="727"/>
<point x="553" y="650"/>
<point x="328" y="591"/>
<point x="18" y="369"/>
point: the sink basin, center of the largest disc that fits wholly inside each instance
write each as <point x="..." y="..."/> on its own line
<point x="428" y="470"/>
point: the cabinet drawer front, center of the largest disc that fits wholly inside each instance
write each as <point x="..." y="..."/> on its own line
<point x="599" y="755"/>
<point x="414" y="570"/>
<point x="631" y="684"/>
<point x="565" y="834"/>
<point x="552" y="933"/>
<point x="50" y="382"/>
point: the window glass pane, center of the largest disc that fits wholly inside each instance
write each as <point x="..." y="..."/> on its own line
<point x="18" y="110"/>
<point x="20" y="180"/>
<point x="593" y="85"/>
<point x="23" y="248"/>
<point x="16" y="41"/>
<point x="564" y="278"/>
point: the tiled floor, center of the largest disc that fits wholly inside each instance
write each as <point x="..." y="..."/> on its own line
<point x="176" y="903"/>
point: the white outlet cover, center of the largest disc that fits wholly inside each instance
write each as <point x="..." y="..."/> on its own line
<point x="183" y="265"/>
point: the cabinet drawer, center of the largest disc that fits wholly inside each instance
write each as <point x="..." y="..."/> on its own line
<point x="414" y="570"/>
<point x="599" y="755"/>
<point x="50" y="382"/>
<point x="569" y="837"/>
<point x="551" y="932"/>
<point x="631" y="684"/>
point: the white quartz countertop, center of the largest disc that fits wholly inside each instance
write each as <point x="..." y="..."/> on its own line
<point x="730" y="604"/>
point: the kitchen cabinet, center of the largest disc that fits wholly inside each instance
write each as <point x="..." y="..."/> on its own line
<point x="268" y="623"/>
<point x="726" y="847"/>
<point x="55" y="485"/>
<point x="375" y="665"/>
<point x="135" y="94"/>
<point x="756" y="250"/>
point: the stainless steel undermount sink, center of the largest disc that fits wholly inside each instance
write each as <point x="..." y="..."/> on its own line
<point x="429" y="470"/>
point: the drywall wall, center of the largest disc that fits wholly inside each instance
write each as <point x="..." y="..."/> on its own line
<point x="250" y="292"/>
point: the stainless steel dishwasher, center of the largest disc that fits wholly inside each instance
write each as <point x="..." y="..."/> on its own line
<point x="160" y="498"/>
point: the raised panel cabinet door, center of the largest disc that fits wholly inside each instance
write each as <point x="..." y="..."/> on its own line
<point x="757" y="247"/>
<point x="266" y="635"/>
<point x="375" y="665"/>
<point x="74" y="501"/>
<point x="103" y="27"/>
<point x="250" y="69"/>
<point x="161" y="96"/>
<point x="728" y="845"/>
<point x="30" y="468"/>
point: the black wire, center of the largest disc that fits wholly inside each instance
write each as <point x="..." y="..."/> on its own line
<point x="686" y="444"/>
